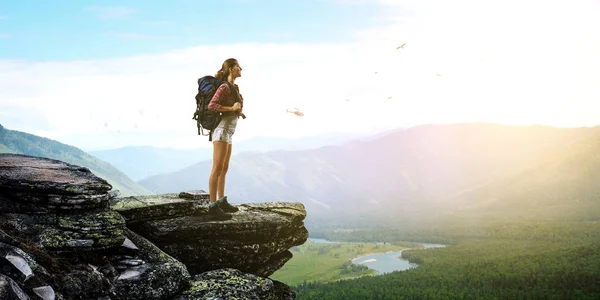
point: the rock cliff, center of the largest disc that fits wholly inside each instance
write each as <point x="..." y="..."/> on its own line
<point x="60" y="238"/>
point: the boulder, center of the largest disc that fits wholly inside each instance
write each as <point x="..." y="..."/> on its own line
<point x="233" y="284"/>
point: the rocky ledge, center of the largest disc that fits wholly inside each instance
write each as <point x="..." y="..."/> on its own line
<point x="256" y="240"/>
<point x="60" y="238"/>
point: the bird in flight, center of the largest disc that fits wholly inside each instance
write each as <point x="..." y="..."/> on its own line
<point x="296" y="111"/>
<point x="401" y="46"/>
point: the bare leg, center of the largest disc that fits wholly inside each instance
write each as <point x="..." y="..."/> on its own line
<point x="225" y="167"/>
<point x="219" y="153"/>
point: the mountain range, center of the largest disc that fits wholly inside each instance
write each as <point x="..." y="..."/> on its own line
<point x="414" y="174"/>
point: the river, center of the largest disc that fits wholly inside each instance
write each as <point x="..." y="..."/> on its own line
<point x="380" y="262"/>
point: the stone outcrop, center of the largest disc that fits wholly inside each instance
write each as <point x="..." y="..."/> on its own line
<point x="60" y="238"/>
<point x="256" y="240"/>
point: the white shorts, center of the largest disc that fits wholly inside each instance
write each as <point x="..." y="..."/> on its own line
<point x="225" y="130"/>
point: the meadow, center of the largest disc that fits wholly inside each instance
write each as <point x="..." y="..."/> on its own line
<point x="317" y="262"/>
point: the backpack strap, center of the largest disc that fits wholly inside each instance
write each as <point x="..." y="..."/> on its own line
<point x="235" y="92"/>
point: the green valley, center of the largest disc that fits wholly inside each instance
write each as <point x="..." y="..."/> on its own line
<point x="327" y="262"/>
<point x="530" y="260"/>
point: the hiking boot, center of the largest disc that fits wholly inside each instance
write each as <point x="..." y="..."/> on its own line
<point x="216" y="212"/>
<point x="225" y="206"/>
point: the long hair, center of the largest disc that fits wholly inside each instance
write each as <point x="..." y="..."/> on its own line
<point x="224" y="72"/>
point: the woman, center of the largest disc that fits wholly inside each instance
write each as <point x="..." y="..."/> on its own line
<point x="229" y="102"/>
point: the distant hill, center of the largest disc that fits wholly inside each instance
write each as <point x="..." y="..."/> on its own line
<point x="12" y="141"/>
<point x="563" y="186"/>
<point x="406" y="175"/>
<point x="140" y="162"/>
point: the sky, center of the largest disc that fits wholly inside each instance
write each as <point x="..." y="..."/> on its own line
<point x="106" y="74"/>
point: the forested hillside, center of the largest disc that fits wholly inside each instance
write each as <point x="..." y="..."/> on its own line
<point x="12" y="141"/>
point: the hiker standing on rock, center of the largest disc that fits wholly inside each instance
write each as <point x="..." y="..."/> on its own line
<point x="225" y="102"/>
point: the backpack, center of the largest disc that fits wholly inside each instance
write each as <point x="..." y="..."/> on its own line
<point x="206" y="118"/>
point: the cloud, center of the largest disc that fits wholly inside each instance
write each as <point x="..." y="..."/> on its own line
<point x="111" y="12"/>
<point x="5" y="36"/>
<point x="154" y="93"/>
<point x="529" y="70"/>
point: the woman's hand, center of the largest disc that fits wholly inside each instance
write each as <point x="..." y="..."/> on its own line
<point x="236" y="106"/>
